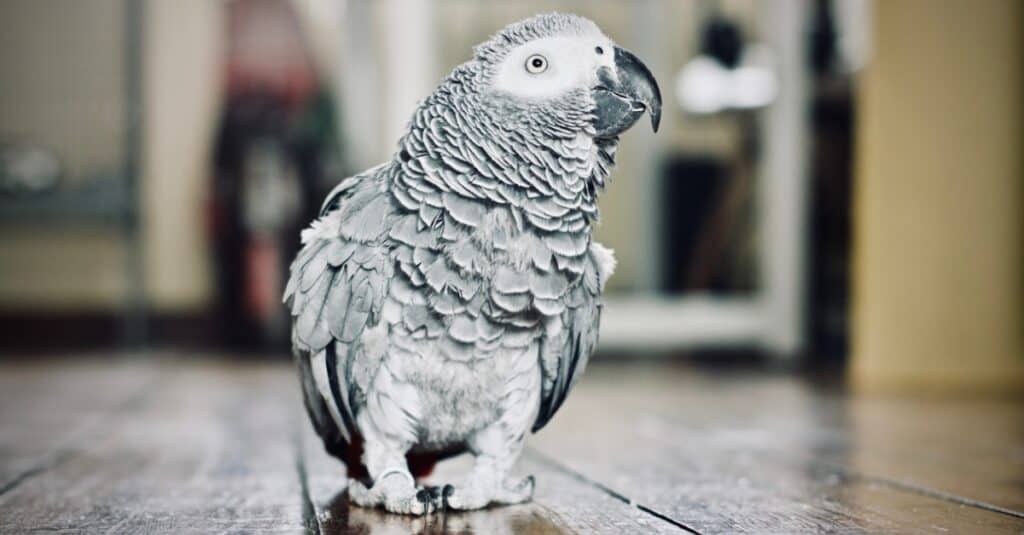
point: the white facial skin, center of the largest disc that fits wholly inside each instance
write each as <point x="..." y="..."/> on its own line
<point x="569" y="62"/>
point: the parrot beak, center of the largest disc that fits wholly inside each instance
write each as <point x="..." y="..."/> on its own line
<point x="624" y="96"/>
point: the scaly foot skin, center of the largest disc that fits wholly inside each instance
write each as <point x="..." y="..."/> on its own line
<point x="477" y="495"/>
<point x="396" y="494"/>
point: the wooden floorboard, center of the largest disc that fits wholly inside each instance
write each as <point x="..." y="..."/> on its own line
<point x="562" y="504"/>
<point x="207" y="449"/>
<point x="748" y="455"/>
<point x="47" y="406"/>
<point x="172" y="445"/>
<point x="970" y="450"/>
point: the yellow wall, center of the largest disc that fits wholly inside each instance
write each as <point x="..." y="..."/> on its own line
<point x="938" y="273"/>
<point x="182" y="100"/>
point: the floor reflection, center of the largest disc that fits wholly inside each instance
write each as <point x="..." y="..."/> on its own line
<point x="340" y="516"/>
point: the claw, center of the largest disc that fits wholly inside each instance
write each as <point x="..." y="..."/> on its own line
<point x="447" y="491"/>
<point x="436" y="500"/>
<point x="424" y="497"/>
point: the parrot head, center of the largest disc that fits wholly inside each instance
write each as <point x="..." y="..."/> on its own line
<point x="563" y="66"/>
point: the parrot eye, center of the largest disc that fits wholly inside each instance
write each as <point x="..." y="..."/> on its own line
<point x="599" y="50"/>
<point x="536" y="64"/>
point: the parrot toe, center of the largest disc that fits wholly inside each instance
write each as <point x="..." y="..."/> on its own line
<point x="447" y="491"/>
<point x="518" y="492"/>
<point x="426" y="499"/>
<point x="436" y="498"/>
<point x="471" y="497"/>
<point x="416" y="504"/>
<point x="395" y="498"/>
<point x="465" y="498"/>
<point x="360" y="495"/>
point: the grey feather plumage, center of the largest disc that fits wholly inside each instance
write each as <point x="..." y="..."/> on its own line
<point x="431" y="283"/>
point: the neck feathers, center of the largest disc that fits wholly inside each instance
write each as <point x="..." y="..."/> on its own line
<point x="549" y="172"/>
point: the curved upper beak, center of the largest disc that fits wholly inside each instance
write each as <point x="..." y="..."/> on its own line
<point x="623" y="96"/>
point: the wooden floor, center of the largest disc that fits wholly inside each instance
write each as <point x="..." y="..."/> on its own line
<point x="169" y="444"/>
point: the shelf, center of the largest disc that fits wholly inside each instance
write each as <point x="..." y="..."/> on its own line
<point x="103" y="200"/>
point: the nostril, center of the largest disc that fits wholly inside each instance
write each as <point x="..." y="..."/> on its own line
<point x="605" y="76"/>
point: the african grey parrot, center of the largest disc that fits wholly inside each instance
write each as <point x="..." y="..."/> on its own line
<point x="447" y="300"/>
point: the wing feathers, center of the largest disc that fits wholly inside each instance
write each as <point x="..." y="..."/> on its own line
<point x="336" y="292"/>
<point x="566" y="348"/>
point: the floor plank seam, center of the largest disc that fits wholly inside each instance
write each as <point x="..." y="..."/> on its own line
<point x="309" y="514"/>
<point x="901" y="486"/>
<point x="551" y="462"/>
<point x="13" y="483"/>
<point x="891" y="483"/>
<point x="938" y="495"/>
<point x="556" y="515"/>
<point x="62" y="453"/>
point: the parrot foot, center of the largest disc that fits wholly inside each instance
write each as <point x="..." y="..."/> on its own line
<point x="470" y="496"/>
<point x="518" y="492"/>
<point x="396" y="495"/>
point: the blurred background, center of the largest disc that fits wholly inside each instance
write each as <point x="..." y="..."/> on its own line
<point x="838" y="183"/>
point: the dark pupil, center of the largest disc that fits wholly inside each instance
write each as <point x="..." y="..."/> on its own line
<point x="538" y="63"/>
<point x="599" y="50"/>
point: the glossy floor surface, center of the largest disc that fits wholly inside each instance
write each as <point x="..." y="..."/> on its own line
<point x="172" y="444"/>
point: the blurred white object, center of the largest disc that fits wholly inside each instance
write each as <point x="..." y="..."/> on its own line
<point x="705" y="86"/>
<point x="270" y="189"/>
<point x="701" y="86"/>
<point x="28" y="169"/>
<point x="853" y="21"/>
<point x="772" y="318"/>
